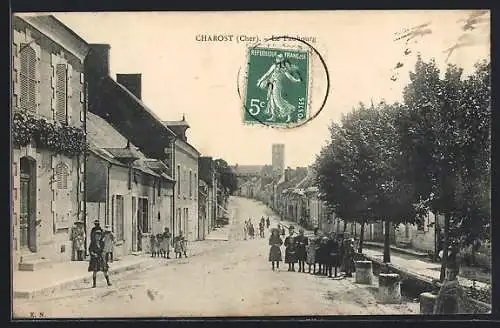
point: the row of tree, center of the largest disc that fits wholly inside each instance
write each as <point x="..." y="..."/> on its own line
<point x="396" y="162"/>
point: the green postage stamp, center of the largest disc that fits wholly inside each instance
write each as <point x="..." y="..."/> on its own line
<point x="277" y="86"/>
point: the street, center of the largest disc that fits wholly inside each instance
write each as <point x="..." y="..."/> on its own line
<point x="232" y="278"/>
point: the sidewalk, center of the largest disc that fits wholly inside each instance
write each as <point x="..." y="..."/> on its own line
<point x="414" y="266"/>
<point x="407" y="251"/>
<point x="417" y="267"/>
<point x="28" y="285"/>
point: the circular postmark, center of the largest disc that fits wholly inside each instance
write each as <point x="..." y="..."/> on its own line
<point x="285" y="84"/>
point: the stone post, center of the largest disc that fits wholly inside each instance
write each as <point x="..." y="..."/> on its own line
<point x="364" y="272"/>
<point x="427" y="301"/>
<point x="389" y="288"/>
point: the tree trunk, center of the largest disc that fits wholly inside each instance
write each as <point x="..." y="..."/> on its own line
<point x="387" y="241"/>
<point x="446" y="245"/>
<point x="361" y="237"/>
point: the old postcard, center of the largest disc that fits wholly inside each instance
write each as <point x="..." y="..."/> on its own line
<point x="239" y="164"/>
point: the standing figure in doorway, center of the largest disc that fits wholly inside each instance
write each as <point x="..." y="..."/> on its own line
<point x="302" y="243"/>
<point x="78" y="239"/>
<point x="97" y="259"/>
<point x="275" y="252"/>
<point x="290" y="250"/>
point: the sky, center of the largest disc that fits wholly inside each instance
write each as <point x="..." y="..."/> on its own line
<point x="199" y="79"/>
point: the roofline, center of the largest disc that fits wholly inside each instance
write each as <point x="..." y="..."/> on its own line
<point x="191" y="146"/>
<point x="26" y="17"/>
<point x="143" y="106"/>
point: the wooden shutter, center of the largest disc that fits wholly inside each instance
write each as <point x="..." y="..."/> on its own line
<point x="28" y="78"/>
<point x="61" y="93"/>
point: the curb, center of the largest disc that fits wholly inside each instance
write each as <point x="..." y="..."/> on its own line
<point x="87" y="278"/>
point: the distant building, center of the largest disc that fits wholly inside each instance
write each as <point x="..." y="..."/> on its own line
<point x="278" y="158"/>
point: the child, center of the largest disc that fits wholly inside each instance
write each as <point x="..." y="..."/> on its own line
<point x="109" y="241"/>
<point x="261" y="229"/>
<point x="167" y="237"/>
<point x="290" y="250"/>
<point x="153" y="246"/>
<point x="302" y="243"/>
<point x="180" y="247"/>
<point x="159" y="243"/>
<point x="275" y="252"/>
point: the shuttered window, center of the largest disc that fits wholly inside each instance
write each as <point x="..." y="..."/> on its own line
<point x="61" y="93"/>
<point x="62" y="176"/>
<point x="28" y="81"/>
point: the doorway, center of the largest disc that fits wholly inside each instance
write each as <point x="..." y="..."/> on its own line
<point x="142" y="221"/>
<point x="27" y="226"/>
<point x="134" y="224"/>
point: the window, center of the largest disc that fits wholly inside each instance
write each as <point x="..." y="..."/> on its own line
<point x="143" y="215"/>
<point x="62" y="176"/>
<point x="190" y="183"/>
<point x="119" y="219"/>
<point x="28" y="79"/>
<point x="178" y="181"/>
<point x="61" y="93"/>
<point x="195" y="185"/>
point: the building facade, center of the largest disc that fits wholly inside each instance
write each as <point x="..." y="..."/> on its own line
<point x="48" y="94"/>
<point x="146" y="191"/>
<point x="186" y="176"/>
<point x="207" y="174"/>
<point x="125" y="191"/>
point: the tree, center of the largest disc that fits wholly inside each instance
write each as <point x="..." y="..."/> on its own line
<point x="445" y="154"/>
<point x="359" y="172"/>
<point x="227" y="178"/>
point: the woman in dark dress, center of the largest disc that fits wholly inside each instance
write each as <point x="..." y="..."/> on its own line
<point x="322" y="255"/>
<point x="332" y="255"/>
<point x="97" y="258"/>
<point x="275" y="252"/>
<point x="302" y="243"/>
<point x="290" y="250"/>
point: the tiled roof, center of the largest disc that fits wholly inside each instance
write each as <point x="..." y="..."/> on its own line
<point x="101" y="134"/>
<point x="109" y="144"/>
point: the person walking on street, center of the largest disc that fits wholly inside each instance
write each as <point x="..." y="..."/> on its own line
<point x="167" y="239"/>
<point x="153" y="245"/>
<point x="97" y="259"/>
<point x="261" y="229"/>
<point x="245" y="230"/>
<point x="302" y="243"/>
<point x="251" y="231"/>
<point x="109" y="243"/>
<point x="323" y="256"/>
<point x="78" y="239"/>
<point x="275" y="252"/>
<point x="268" y="223"/>
<point x="290" y="250"/>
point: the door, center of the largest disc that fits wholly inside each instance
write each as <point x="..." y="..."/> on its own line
<point x="27" y="233"/>
<point x="134" y="224"/>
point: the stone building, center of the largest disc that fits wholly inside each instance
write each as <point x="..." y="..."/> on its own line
<point x="186" y="176"/>
<point x="119" y="104"/>
<point x="48" y="106"/>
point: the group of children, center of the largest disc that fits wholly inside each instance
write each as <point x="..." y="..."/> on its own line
<point x="249" y="230"/>
<point x="330" y="252"/>
<point x="160" y="244"/>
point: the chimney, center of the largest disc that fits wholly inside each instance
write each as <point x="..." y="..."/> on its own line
<point x="99" y="58"/>
<point x="132" y="82"/>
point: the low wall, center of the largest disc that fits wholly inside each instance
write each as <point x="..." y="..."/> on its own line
<point x="413" y="285"/>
